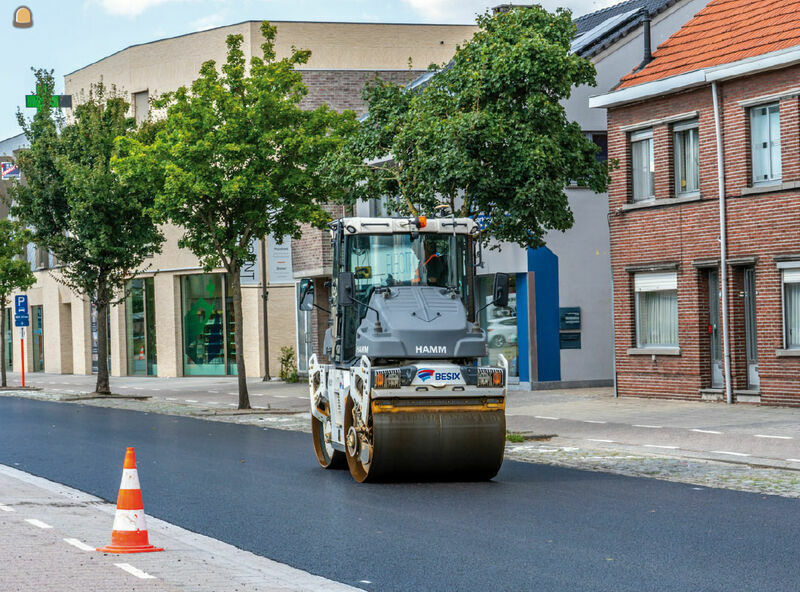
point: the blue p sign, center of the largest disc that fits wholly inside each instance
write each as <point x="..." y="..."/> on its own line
<point x="21" y="304"/>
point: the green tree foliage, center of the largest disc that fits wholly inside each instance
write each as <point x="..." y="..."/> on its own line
<point x="15" y="274"/>
<point x="237" y="160"/>
<point x="487" y="135"/>
<point x="97" y="225"/>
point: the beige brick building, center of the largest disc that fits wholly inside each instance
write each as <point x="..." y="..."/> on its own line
<point x="176" y="320"/>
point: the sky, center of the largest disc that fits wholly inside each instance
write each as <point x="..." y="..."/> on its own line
<point x="70" y="34"/>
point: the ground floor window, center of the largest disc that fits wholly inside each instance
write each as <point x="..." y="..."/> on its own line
<point x="9" y="337"/>
<point x="791" y="299"/>
<point x="140" y="325"/>
<point x="500" y="323"/>
<point x="208" y="325"/>
<point x="656" y="309"/>
<point x="37" y="330"/>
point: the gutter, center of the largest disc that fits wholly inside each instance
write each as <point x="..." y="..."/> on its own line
<point x="681" y="82"/>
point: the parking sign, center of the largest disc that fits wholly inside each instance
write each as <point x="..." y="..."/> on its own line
<point x="21" y="318"/>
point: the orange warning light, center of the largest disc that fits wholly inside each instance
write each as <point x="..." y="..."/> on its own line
<point x="23" y="17"/>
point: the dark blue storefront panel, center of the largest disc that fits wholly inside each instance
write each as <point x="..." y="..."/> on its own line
<point x="544" y="263"/>
<point x="523" y="342"/>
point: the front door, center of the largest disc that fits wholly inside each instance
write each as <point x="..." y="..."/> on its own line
<point x="714" y="329"/>
<point x="753" y="381"/>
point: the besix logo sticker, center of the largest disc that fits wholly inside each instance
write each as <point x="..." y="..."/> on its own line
<point x="425" y="374"/>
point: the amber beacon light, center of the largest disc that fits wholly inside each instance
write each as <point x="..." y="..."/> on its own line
<point x="23" y="17"/>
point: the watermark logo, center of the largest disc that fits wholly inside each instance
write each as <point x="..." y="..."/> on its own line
<point x="23" y="18"/>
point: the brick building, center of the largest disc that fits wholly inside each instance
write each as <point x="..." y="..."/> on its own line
<point x="727" y="83"/>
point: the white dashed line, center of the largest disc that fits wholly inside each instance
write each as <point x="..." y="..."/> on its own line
<point x="171" y="399"/>
<point x="280" y="396"/>
<point x="155" y="389"/>
<point x="698" y="488"/>
<point x="233" y="404"/>
<point x="545" y="417"/>
<point x="234" y="394"/>
<point x="731" y="453"/>
<point x="135" y="572"/>
<point x="364" y="582"/>
<point x="191" y="401"/>
<point x="138" y="388"/>
<point x="213" y="403"/>
<point x="595" y="440"/>
<point x="6" y="508"/>
<point x="773" y="437"/>
<point x="664" y="447"/>
<point x="797" y="460"/>
<point x="215" y="392"/>
<point x="699" y="431"/>
<point x="80" y="545"/>
<point x="592" y="421"/>
<point x="652" y="427"/>
<point x="37" y="523"/>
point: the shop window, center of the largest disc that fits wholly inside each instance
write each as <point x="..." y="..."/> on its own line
<point x="500" y="324"/>
<point x="643" y="165"/>
<point x="140" y="325"/>
<point x="9" y="337"/>
<point x="791" y="307"/>
<point x="687" y="158"/>
<point x="765" y="141"/>
<point x="208" y="326"/>
<point x="656" y="309"/>
<point x="37" y="330"/>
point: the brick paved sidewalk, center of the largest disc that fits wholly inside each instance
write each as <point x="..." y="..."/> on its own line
<point x="38" y="516"/>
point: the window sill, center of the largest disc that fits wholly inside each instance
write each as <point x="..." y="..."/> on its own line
<point x="771" y="188"/>
<point x="788" y="353"/>
<point x="654" y="351"/>
<point x="667" y="201"/>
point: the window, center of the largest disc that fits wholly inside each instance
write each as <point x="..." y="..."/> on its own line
<point x="765" y="137"/>
<point x="643" y="166"/>
<point x="687" y="159"/>
<point x="656" y="309"/>
<point x="791" y="307"/>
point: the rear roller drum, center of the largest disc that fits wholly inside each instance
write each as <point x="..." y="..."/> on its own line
<point x="327" y="456"/>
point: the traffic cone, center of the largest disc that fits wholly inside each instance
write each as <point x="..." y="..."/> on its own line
<point x="129" y="533"/>
<point x="141" y="353"/>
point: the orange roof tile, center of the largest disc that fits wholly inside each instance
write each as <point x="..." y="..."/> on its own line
<point x="724" y="31"/>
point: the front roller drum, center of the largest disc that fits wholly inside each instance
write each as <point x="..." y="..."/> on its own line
<point x="437" y="445"/>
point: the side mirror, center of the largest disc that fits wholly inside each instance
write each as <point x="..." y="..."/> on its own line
<point x="500" y="289"/>
<point x="346" y="289"/>
<point x="306" y="295"/>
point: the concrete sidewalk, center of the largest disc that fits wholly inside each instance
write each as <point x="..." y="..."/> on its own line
<point x="49" y="533"/>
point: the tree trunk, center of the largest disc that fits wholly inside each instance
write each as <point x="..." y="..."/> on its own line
<point x="3" y="341"/>
<point x="236" y="288"/>
<point x="102" y="387"/>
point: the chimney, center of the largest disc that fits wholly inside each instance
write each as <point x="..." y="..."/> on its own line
<point x="648" y="54"/>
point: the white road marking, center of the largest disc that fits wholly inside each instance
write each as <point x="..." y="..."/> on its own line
<point x="545" y="417"/>
<point x="592" y="421"/>
<point x="213" y="403"/>
<point x="6" y="508"/>
<point x="595" y="440"/>
<point x="280" y="396"/>
<point x="234" y="394"/>
<point x="797" y="460"/>
<point x="135" y="572"/>
<point x="652" y="427"/>
<point x="215" y="392"/>
<point x="37" y="523"/>
<point x="731" y="453"/>
<point x="705" y="431"/>
<point x="698" y="488"/>
<point x="664" y="447"/>
<point x="138" y="388"/>
<point x="191" y="401"/>
<point x="80" y="545"/>
<point x="171" y="399"/>
<point x="364" y="582"/>
<point x="155" y="389"/>
<point x="774" y="437"/>
<point x="233" y="404"/>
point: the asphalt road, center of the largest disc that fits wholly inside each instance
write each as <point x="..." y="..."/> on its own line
<point x="533" y="528"/>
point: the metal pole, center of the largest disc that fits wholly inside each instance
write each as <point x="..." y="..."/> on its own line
<point x="265" y="307"/>
<point x="723" y="247"/>
<point x="22" y="351"/>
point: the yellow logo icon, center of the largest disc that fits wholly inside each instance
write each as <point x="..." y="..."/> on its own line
<point x="23" y="18"/>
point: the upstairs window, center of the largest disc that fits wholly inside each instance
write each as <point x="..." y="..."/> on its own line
<point x="687" y="158"/>
<point x="642" y="160"/>
<point x="765" y="141"/>
<point x="656" y="309"/>
<point x="791" y="307"/>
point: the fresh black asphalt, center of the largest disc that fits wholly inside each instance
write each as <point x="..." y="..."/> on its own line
<point x="533" y="528"/>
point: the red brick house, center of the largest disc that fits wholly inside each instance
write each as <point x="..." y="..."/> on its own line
<point x="702" y="284"/>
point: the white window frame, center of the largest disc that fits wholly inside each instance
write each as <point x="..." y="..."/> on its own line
<point x="635" y="138"/>
<point x="789" y="275"/>
<point x="679" y="129"/>
<point x="775" y="164"/>
<point x="652" y="282"/>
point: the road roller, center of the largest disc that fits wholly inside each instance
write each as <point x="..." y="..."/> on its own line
<point x="406" y="391"/>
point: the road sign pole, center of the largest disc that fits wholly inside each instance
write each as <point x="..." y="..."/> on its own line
<point x="22" y="351"/>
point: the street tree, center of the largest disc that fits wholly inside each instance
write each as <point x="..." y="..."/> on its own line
<point x="237" y="160"/>
<point x="97" y="225"/>
<point x="486" y="135"/>
<point x="15" y="274"/>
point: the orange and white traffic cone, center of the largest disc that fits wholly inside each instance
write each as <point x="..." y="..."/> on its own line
<point x="141" y="353"/>
<point x="129" y="533"/>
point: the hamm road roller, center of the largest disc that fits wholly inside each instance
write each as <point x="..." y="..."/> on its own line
<point x="404" y="395"/>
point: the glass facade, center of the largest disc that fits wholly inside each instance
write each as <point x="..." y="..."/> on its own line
<point x="208" y="326"/>
<point x="140" y="323"/>
<point x="37" y="329"/>
<point x="500" y="324"/>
